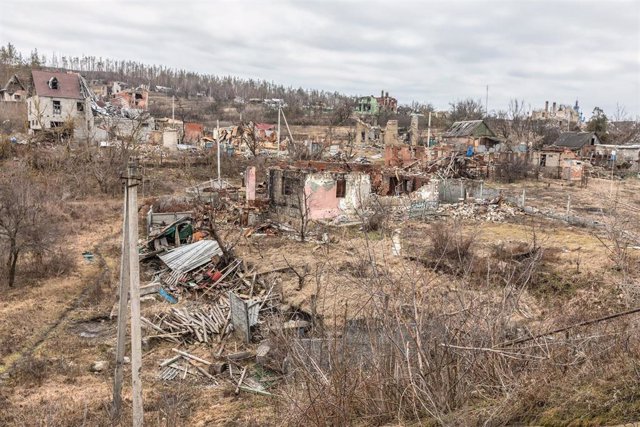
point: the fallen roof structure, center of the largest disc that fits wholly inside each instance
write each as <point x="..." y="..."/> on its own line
<point x="189" y="257"/>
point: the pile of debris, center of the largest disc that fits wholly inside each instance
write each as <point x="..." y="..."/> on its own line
<point x="224" y="369"/>
<point x="199" y="323"/>
<point x="219" y="282"/>
<point x="488" y="211"/>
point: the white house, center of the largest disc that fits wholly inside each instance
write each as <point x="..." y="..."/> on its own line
<point x="59" y="100"/>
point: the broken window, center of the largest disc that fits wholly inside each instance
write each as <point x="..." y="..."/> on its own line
<point x="288" y="186"/>
<point x="80" y="106"/>
<point x="53" y="83"/>
<point x="341" y="188"/>
<point x="543" y="160"/>
<point x="57" y="108"/>
<point x="393" y="183"/>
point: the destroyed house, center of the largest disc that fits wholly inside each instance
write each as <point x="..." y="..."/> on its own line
<point x="367" y="105"/>
<point x="550" y="159"/>
<point x="471" y="133"/>
<point x="371" y="105"/>
<point x="193" y="132"/>
<point x="264" y="130"/>
<point x="132" y="98"/>
<point x="579" y="142"/>
<point x="13" y="90"/>
<point x="59" y="100"/>
<point x="317" y="194"/>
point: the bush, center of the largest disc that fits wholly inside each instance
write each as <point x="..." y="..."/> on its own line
<point x="512" y="170"/>
<point x="450" y="250"/>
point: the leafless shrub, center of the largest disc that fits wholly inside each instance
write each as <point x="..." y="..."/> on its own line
<point x="449" y="249"/>
<point x="456" y="357"/>
<point x="512" y="170"/>
<point x="7" y="150"/>
<point x="617" y="239"/>
<point x="29" y="220"/>
<point x="174" y="405"/>
<point x="55" y="262"/>
<point x="171" y="204"/>
<point x="360" y="268"/>
<point x="31" y="370"/>
<point x="376" y="221"/>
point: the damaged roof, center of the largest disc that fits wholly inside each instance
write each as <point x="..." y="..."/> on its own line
<point x="475" y="128"/>
<point x="13" y="82"/>
<point x="189" y="257"/>
<point x="68" y="84"/>
<point x="576" y="140"/>
<point x="264" y="126"/>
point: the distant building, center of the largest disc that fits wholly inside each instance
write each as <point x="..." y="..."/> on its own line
<point x="13" y="91"/>
<point x="387" y="103"/>
<point x="471" y="133"/>
<point x="193" y="132"/>
<point x="562" y="115"/>
<point x="59" y="100"/>
<point x="371" y="105"/>
<point x="115" y="87"/>
<point x="264" y="131"/>
<point x="99" y="88"/>
<point x="132" y="98"/>
<point x="578" y="142"/>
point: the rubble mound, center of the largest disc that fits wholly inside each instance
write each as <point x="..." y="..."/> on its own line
<point x="495" y="212"/>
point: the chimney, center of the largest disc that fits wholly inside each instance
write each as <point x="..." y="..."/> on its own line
<point x="546" y="106"/>
<point x="387" y="94"/>
<point x="382" y="93"/>
<point x="553" y="108"/>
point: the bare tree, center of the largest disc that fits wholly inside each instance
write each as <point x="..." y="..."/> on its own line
<point x="467" y="109"/>
<point x="248" y="135"/>
<point x="514" y="124"/>
<point x="27" y="222"/>
<point x="303" y="209"/>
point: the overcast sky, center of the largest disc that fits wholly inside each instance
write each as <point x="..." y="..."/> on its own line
<point x="422" y="51"/>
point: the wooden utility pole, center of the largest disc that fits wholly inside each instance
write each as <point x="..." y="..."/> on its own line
<point x="130" y="274"/>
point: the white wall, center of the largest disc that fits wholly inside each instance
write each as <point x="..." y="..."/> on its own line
<point x="40" y="114"/>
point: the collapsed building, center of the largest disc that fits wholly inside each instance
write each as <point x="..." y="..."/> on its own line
<point x="132" y="98"/>
<point x="318" y="193"/>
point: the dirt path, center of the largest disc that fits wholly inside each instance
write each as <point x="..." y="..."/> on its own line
<point x="31" y="313"/>
<point x="105" y="271"/>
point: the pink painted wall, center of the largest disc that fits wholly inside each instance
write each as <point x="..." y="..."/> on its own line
<point x="250" y="183"/>
<point x="321" y="199"/>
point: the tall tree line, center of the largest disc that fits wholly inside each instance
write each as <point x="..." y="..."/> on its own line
<point x="181" y="82"/>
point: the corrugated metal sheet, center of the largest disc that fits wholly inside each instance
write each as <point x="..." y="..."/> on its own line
<point x="189" y="257"/>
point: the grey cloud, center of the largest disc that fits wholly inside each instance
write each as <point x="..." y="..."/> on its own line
<point x="425" y="51"/>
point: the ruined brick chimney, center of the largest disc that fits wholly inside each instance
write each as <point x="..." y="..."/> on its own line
<point x="546" y="106"/>
<point x="553" y="108"/>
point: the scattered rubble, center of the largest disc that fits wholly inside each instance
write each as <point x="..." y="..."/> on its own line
<point x="99" y="366"/>
<point x="490" y="212"/>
